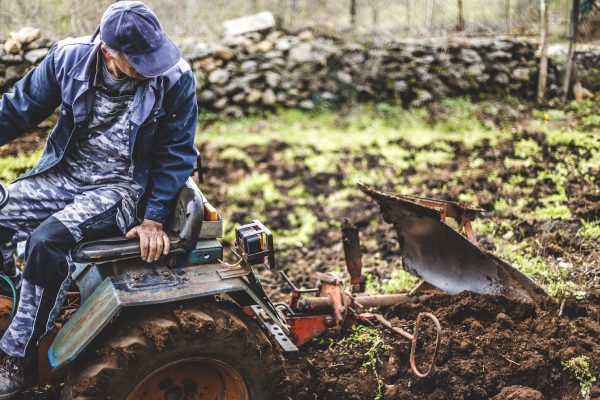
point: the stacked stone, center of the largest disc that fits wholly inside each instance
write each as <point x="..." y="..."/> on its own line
<point x="257" y="67"/>
<point x="20" y="52"/>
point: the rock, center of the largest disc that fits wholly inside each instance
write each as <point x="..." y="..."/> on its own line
<point x="251" y="23"/>
<point x="12" y="46"/>
<point x="307" y="105"/>
<point x="39" y="43"/>
<point x="470" y="56"/>
<point x="272" y="78"/>
<point x="219" y="76"/>
<point x="264" y="46"/>
<point x="520" y="74"/>
<point x="193" y="49"/>
<point x="498" y="56"/>
<point x="222" y="52"/>
<point x="207" y="64"/>
<point x="11" y="58"/>
<point x="423" y="97"/>
<point x="306" y="36"/>
<point x="234" y="112"/>
<point x="26" y="35"/>
<point x="249" y="66"/>
<point x="307" y="53"/>
<point x="273" y="36"/>
<point x="254" y="96"/>
<point x="285" y="43"/>
<point x="518" y="392"/>
<point x="400" y="87"/>
<point x="239" y="97"/>
<point x="34" y="56"/>
<point x="220" y="104"/>
<point x="207" y="96"/>
<point x="12" y="73"/>
<point x="502" y="78"/>
<point x="344" y="77"/>
<point x="476" y="69"/>
<point x="269" y="97"/>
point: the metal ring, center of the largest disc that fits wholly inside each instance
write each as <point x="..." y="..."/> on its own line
<point x="413" y="347"/>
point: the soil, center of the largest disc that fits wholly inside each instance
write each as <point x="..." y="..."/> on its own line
<point x="491" y="346"/>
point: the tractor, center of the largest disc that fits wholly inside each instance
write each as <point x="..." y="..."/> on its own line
<point x="178" y="328"/>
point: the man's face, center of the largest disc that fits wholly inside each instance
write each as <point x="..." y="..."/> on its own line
<point x="123" y="66"/>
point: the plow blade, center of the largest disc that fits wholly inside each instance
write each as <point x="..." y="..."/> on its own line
<point x="434" y="251"/>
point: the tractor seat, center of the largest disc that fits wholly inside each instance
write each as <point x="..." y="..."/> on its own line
<point x="183" y="229"/>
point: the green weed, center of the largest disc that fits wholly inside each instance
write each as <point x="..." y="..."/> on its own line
<point x="370" y="337"/>
<point x="580" y="368"/>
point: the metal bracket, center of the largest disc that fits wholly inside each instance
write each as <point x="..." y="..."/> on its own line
<point x="278" y="334"/>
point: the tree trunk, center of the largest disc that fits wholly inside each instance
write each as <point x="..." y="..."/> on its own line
<point x="543" y="75"/>
<point x="461" y="19"/>
<point x="375" y="12"/>
<point x="352" y="12"/>
<point x="508" y="17"/>
<point x="572" y="41"/>
<point x="408" y="15"/>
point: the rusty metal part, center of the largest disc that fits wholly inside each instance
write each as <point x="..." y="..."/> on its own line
<point x="382" y="300"/>
<point x="434" y="251"/>
<point x="352" y="254"/>
<point x="296" y="292"/>
<point x="190" y="379"/>
<point x="6" y="304"/>
<point x="307" y="327"/>
<point x="414" y="339"/>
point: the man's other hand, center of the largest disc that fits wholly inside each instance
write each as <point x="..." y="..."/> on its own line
<point x="153" y="239"/>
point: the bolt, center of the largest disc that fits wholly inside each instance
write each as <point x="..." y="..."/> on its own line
<point x="329" y="321"/>
<point x="135" y="277"/>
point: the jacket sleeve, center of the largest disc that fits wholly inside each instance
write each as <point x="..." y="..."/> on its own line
<point x="32" y="100"/>
<point x="174" y="152"/>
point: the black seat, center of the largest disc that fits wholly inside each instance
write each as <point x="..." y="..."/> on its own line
<point x="183" y="229"/>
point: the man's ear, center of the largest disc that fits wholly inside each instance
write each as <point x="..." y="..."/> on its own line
<point x="105" y="52"/>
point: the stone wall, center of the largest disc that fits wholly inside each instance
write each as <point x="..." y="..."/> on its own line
<point x="255" y="71"/>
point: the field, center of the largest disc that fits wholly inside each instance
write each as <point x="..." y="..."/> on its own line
<point x="534" y="171"/>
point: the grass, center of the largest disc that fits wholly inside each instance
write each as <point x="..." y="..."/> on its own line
<point x="13" y="166"/>
<point x="370" y="337"/>
<point x="580" y="368"/>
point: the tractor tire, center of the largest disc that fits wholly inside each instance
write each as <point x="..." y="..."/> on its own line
<point x="197" y="349"/>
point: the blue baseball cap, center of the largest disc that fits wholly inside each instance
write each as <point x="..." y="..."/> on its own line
<point x="133" y="29"/>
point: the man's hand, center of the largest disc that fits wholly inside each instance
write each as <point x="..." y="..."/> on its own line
<point x="153" y="240"/>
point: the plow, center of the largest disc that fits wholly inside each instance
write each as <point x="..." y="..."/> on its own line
<point x="191" y="326"/>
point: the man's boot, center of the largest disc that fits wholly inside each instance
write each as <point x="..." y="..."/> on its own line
<point x="12" y="376"/>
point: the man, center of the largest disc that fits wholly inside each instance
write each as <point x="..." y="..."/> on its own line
<point x="121" y="150"/>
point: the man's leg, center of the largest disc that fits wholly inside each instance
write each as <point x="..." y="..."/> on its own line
<point x="31" y="201"/>
<point x="46" y="278"/>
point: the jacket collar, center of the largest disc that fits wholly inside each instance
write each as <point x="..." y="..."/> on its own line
<point x="82" y="70"/>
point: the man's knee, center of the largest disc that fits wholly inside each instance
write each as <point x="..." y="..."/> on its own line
<point x="50" y="237"/>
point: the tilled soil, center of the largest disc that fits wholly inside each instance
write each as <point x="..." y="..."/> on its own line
<point x="490" y="344"/>
<point x="493" y="347"/>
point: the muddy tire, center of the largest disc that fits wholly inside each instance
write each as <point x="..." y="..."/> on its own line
<point x="178" y="351"/>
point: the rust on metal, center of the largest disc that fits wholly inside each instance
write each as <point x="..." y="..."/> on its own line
<point x="432" y="250"/>
<point x="352" y="253"/>
<point x="414" y="339"/>
<point x="192" y="378"/>
<point x="6" y="304"/>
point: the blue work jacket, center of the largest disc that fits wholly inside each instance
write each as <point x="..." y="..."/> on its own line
<point x="161" y="129"/>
